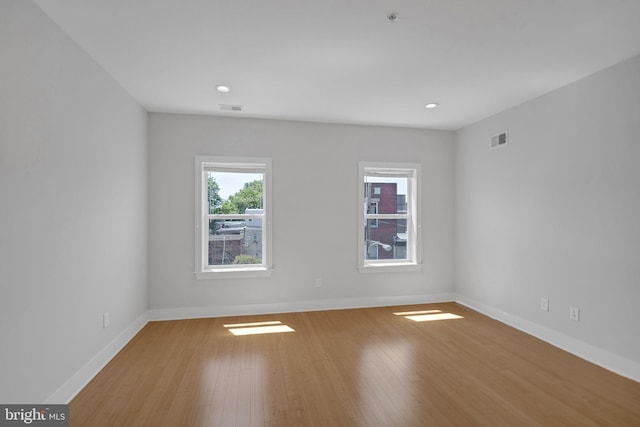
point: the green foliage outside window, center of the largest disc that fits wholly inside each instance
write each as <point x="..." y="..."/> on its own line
<point x="246" y="259"/>
<point x="248" y="197"/>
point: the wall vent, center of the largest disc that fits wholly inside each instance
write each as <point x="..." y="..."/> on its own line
<point x="229" y="107"/>
<point x="499" y="139"/>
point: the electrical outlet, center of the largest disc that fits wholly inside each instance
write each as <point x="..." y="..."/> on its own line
<point x="105" y="319"/>
<point x="318" y="282"/>
<point x="544" y="304"/>
<point x="574" y="313"/>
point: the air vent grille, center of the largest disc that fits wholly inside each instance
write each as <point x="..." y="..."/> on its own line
<point x="499" y="139"/>
<point x="229" y="107"/>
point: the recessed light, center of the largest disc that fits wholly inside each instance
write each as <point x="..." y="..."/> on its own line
<point x="223" y="88"/>
<point x="431" y="105"/>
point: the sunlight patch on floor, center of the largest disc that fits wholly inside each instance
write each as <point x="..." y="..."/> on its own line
<point x="409" y="313"/>
<point x="427" y="315"/>
<point x="431" y="317"/>
<point x="256" y="328"/>
<point x="242" y="325"/>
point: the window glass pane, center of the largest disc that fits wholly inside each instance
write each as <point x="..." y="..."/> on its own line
<point x="385" y="195"/>
<point x="386" y="239"/>
<point x="235" y="241"/>
<point x="234" y="192"/>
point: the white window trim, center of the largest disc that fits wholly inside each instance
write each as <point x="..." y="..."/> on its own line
<point x="202" y="269"/>
<point x="414" y="225"/>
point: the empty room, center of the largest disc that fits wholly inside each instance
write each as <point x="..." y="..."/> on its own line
<point x="319" y="213"/>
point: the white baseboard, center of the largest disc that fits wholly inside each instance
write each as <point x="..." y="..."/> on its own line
<point x="81" y="378"/>
<point x="605" y="359"/>
<point x="295" y="306"/>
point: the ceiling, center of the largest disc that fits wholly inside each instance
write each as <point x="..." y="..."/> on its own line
<point x="345" y="61"/>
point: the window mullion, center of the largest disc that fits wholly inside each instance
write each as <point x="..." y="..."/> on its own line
<point x="235" y="216"/>
<point x="387" y="216"/>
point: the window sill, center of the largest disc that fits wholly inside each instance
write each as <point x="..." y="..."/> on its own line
<point x="390" y="267"/>
<point x="234" y="273"/>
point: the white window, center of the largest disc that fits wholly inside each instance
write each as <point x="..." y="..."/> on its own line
<point x="233" y="217"/>
<point x="389" y="209"/>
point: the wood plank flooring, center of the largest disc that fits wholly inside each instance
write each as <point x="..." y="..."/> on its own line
<point x="362" y="367"/>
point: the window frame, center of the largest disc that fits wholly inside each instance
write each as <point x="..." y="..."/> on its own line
<point x="202" y="216"/>
<point x="413" y="173"/>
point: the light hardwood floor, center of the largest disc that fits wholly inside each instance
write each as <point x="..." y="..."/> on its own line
<point x="362" y="367"/>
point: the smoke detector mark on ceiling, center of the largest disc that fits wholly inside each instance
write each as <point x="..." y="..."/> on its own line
<point x="499" y="139"/>
<point x="229" y="107"/>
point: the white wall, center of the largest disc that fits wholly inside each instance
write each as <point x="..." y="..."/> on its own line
<point x="73" y="218"/>
<point x="556" y="212"/>
<point x="315" y="173"/>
